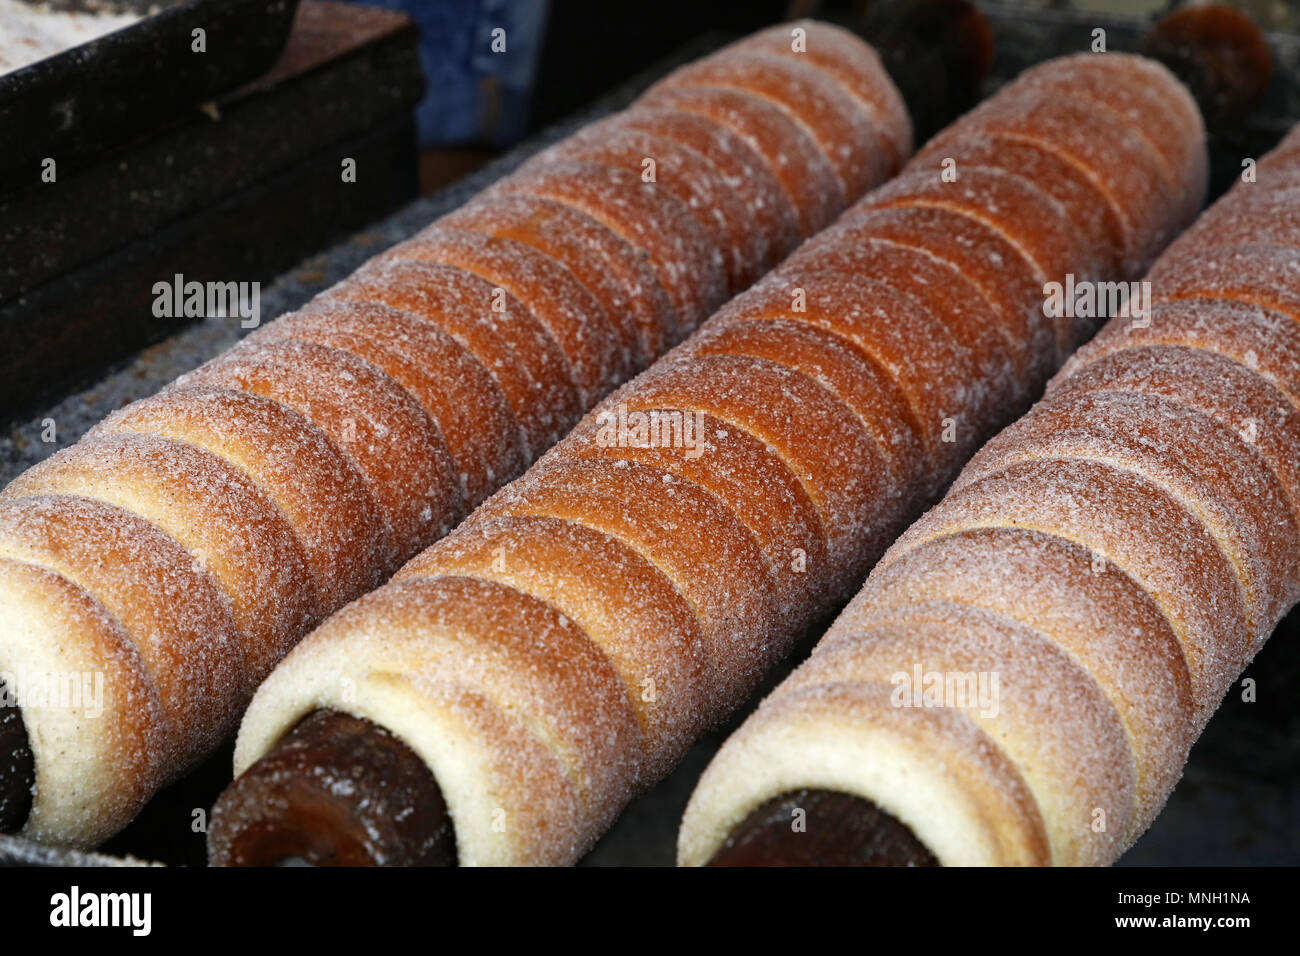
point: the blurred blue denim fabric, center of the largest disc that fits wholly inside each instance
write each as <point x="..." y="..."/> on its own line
<point x="475" y="95"/>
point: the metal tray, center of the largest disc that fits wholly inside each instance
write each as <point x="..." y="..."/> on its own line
<point x="90" y="98"/>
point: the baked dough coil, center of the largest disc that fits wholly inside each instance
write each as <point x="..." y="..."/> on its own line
<point x="559" y="651"/>
<point x="188" y="541"/>
<point x="1115" y="559"/>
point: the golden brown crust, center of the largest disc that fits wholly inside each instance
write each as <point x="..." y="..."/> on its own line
<point x="744" y="170"/>
<point x="1161" y="113"/>
<point x="1005" y="276"/>
<point x="1139" y="523"/>
<point x="1151" y="198"/>
<point x="175" y="611"/>
<point x="607" y="264"/>
<point x="805" y="173"/>
<point x="782" y="407"/>
<point x="191" y="539"/>
<point x="322" y="493"/>
<point x="943" y="291"/>
<point x="924" y="368"/>
<point x="1095" y="221"/>
<point x="230" y="526"/>
<point x="740" y="469"/>
<point x="459" y="394"/>
<point x="811" y="98"/>
<point x="650" y="217"/>
<point x="834" y="362"/>
<point x="732" y="226"/>
<point x="617" y="596"/>
<point x="573" y="316"/>
<point x="691" y="536"/>
<point x="851" y="64"/>
<point x="368" y="417"/>
<point x="505" y="337"/>
<point x="809" y="419"/>
<point x="1035" y="223"/>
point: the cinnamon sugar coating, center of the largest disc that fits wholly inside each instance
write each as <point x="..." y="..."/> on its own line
<point x="1115" y="557"/>
<point x="703" y="515"/>
<point x="187" y="543"/>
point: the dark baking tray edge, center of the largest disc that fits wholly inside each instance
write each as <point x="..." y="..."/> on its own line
<point x="130" y="79"/>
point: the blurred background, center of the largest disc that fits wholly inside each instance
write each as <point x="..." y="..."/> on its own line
<point x="561" y="53"/>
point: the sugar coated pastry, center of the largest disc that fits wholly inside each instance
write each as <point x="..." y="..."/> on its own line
<point x="186" y="543"/>
<point x="1077" y="606"/>
<point x="559" y="651"/>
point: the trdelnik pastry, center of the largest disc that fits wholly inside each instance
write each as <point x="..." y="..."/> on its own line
<point x="186" y="543"/>
<point x="558" y="653"/>
<point x="1116" y="557"/>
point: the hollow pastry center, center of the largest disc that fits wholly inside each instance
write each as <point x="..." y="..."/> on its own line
<point x="822" y="828"/>
<point x="17" y="765"/>
<point x="336" y="791"/>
